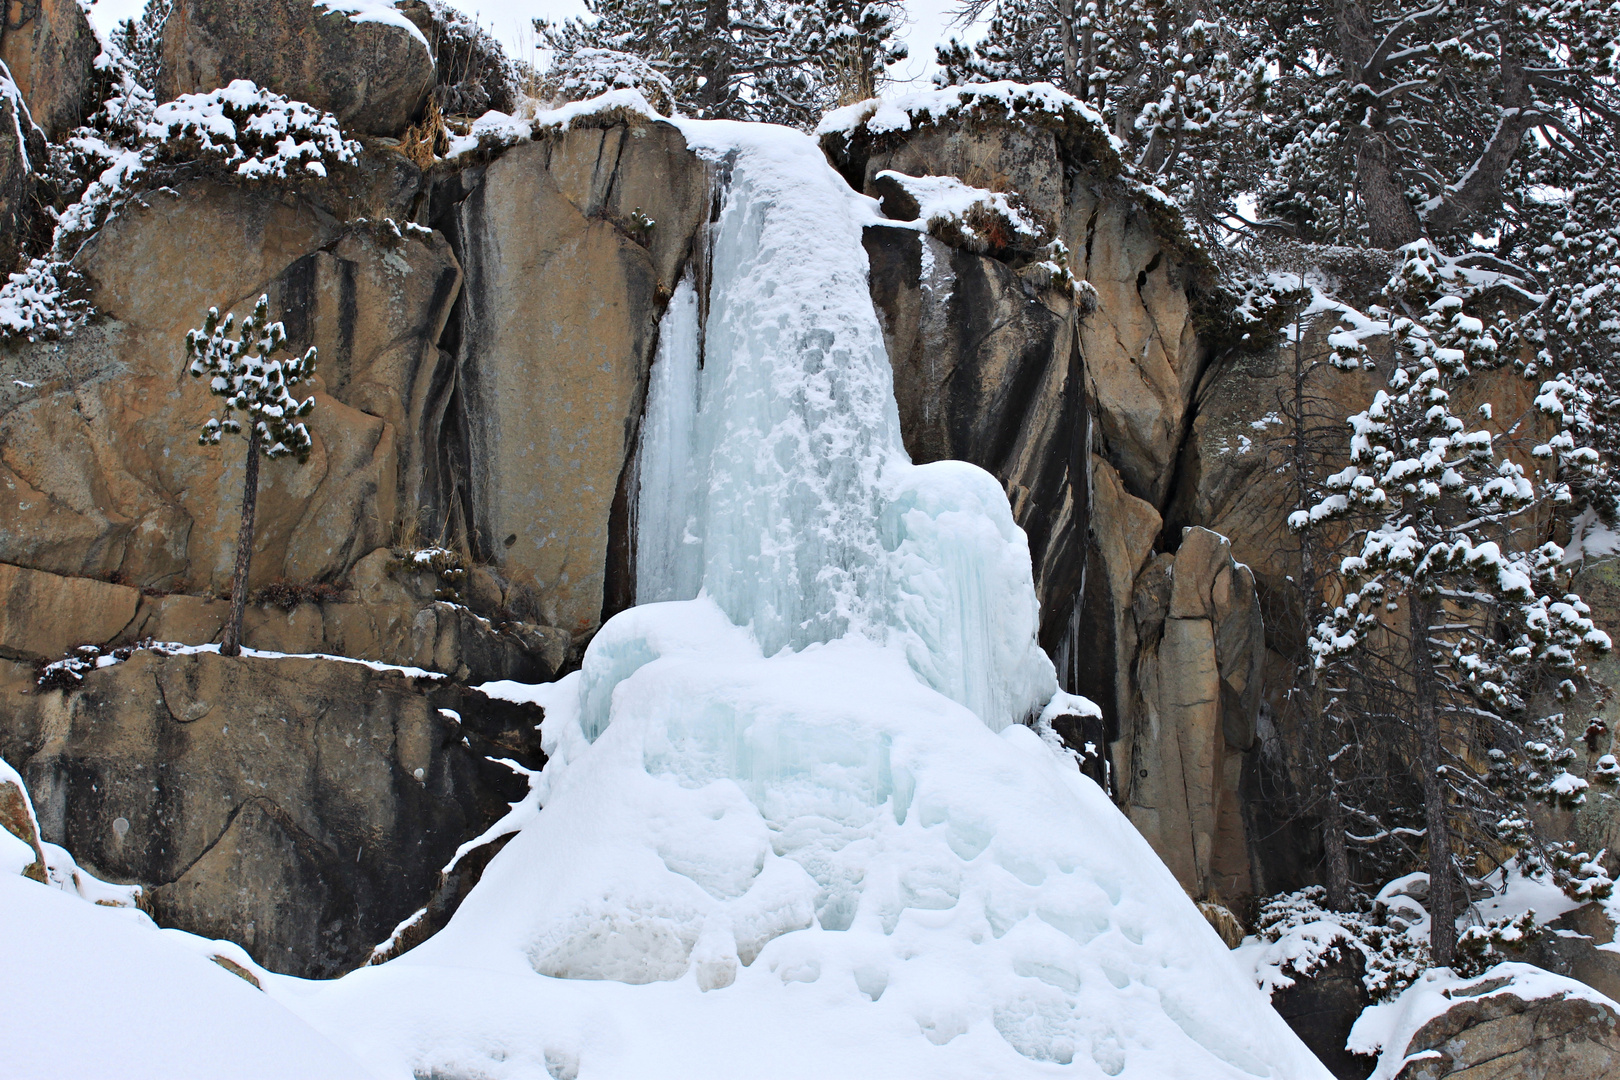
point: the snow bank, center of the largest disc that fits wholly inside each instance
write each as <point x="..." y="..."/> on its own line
<point x="94" y="991"/>
<point x="94" y="988"/>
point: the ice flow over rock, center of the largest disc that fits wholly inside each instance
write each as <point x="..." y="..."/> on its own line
<point x="793" y="824"/>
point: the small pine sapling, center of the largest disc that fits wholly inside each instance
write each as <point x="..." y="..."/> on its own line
<point x="246" y="373"/>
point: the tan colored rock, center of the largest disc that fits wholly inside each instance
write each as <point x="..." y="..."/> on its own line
<point x="376" y="313"/>
<point x="99" y="468"/>
<point x="437" y="637"/>
<point x="1504" y="1037"/>
<point x="1201" y="647"/>
<point x="45" y="616"/>
<point x="556" y="342"/>
<point x="611" y="173"/>
<point x="374" y="76"/>
<point x="298" y="807"/>
<point x="1142" y="350"/>
<point x="17" y="818"/>
<point x="50" y="48"/>
<point x="1124" y="529"/>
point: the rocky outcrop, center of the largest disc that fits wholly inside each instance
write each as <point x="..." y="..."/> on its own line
<point x="1201" y="645"/>
<point x="22" y="147"/>
<point x="556" y="335"/>
<point x="1502" y="1035"/>
<point x="373" y="73"/>
<point x="299" y="807"/>
<point x="43" y="616"/>
<point x="50" y="49"/>
<point x="1143" y="349"/>
<point x="1082" y="414"/>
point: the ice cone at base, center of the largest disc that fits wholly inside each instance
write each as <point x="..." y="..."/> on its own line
<point x="793" y="824"/>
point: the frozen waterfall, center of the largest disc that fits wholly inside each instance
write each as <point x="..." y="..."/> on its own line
<point x="792" y="824"/>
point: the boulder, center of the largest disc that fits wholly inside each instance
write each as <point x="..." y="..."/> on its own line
<point x="1503" y="1036"/>
<point x="1323" y="1006"/>
<point x="555" y="341"/>
<point x="17" y="818"/>
<point x="1143" y="350"/>
<point x="473" y="72"/>
<point x="50" y="49"/>
<point x="371" y="71"/>
<point x="299" y="807"/>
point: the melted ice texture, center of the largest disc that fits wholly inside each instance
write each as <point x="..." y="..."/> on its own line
<point x="792" y="824"/>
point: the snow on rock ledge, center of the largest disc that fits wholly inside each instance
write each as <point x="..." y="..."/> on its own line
<point x="1443" y="1025"/>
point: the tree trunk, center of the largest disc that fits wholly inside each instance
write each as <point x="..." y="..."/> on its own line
<point x="1088" y="60"/>
<point x="1070" y="54"/>
<point x="1318" y="764"/>
<point x="1338" y="853"/>
<point x="716" y="64"/>
<point x="231" y="643"/>
<point x="1442" y="924"/>
<point x="1391" y="221"/>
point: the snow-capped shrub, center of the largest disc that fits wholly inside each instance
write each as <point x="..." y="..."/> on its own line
<point x="1301" y="935"/>
<point x="252" y="132"/>
<point x="587" y="73"/>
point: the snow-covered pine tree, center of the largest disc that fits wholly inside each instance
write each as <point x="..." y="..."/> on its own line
<point x="1391" y="120"/>
<point x="1452" y="597"/>
<point x="783" y="61"/>
<point x="140" y="41"/>
<point x="249" y="378"/>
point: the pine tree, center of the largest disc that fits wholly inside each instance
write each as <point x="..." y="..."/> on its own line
<point x="1451" y="595"/>
<point x="246" y="373"/>
<point x="783" y="61"/>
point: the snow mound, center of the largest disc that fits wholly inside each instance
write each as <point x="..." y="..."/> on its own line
<point x="101" y="991"/>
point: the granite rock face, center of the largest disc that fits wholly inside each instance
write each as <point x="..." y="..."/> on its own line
<point x="50" y="49"/>
<point x="555" y="338"/>
<point x="299" y="807"/>
<point x="1081" y="409"/>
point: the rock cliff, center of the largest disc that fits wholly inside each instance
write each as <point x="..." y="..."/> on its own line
<point x="485" y="328"/>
